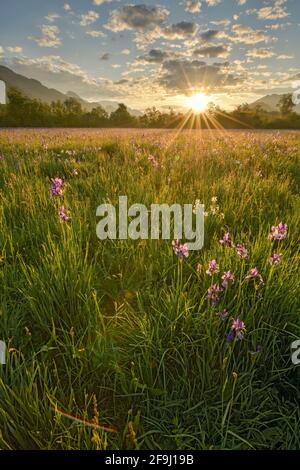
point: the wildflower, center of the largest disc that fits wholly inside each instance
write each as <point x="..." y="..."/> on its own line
<point x="63" y="216"/>
<point x="274" y="260"/>
<point x="242" y="251"/>
<point x="226" y="278"/>
<point x="153" y="160"/>
<point x="196" y="205"/>
<point x="74" y="172"/>
<point x="199" y="268"/>
<point x="253" y="275"/>
<point x="223" y="314"/>
<point x="182" y="251"/>
<point x="2" y="158"/>
<point x="238" y="328"/>
<point x="56" y="186"/>
<point x="214" y="199"/>
<point x="212" y="293"/>
<point x="226" y="240"/>
<point x="278" y="232"/>
<point x="213" y="267"/>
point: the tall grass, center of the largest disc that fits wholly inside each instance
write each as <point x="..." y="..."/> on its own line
<point x="121" y="332"/>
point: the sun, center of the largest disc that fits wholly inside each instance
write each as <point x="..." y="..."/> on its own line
<point x="197" y="102"/>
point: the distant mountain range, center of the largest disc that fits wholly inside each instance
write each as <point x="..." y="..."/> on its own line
<point x="34" y="89"/>
<point x="270" y="103"/>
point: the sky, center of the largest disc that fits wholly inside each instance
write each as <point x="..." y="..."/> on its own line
<point x="155" y="53"/>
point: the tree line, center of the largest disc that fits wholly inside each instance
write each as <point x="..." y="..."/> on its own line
<point x="22" y="111"/>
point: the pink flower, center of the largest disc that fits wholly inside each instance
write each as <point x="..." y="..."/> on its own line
<point x="213" y="293"/>
<point x="56" y="186"/>
<point x="227" y="277"/>
<point x="278" y="232"/>
<point x="153" y="160"/>
<point x="253" y="275"/>
<point x="274" y="260"/>
<point x="223" y="314"/>
<point x="238" y="328"/>
<point x="182" y="251"/>
<point x="213" y="267"/>
<point x="63" y="216"/>
<point x="242" y="252"/>
<point x="226" y="240"/>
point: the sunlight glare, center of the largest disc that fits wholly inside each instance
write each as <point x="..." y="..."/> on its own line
<point x="197" y="102"/>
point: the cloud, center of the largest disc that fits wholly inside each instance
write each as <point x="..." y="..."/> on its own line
<point x="248" y="35"/>
<point x="285" y="57"/>
<point x="224" y="22"/>
<point x="105" y="56"/>
<point x="136" y="17"/>
<point x="212" y="51"/>
<point x="125" y="51"/>
<point x="51" y="17"/>
<point x="180" y="30"/>
<point x="54" y="72"/>
<point x="273" y="12"/>
<point x="211" y="34"/>
<point x="67" y="7"/>
<point x="49" y="36"/>
<point x="89" y="18"/>
<point x="260" y="53"/>
<point x="95" y="34"/>
<point x="182" y="75"/>
<point x="192" y="6"/>
<point x="242" y="2"/>
<point x="15" y="50"/>
<point x="100" y="2"/>
<point x="155" y="56"/>
<point x="1" y="50"/>
<point x="212" y="3"/>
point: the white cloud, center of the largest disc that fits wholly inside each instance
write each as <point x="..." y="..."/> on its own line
<point x="51" y="17"/>
<point x="89" y="18"/>
<point x="273" y="12"/>
<point x="100" y="2"/>
<point x="15" y="50"/>
<point x="193" y="6"/>
<point x="49" y="36"/>
<point x="125" y="51"/>
<point x="67" y="7"/>
<point x="260" y="53"/>
<point x="95" y="34"/>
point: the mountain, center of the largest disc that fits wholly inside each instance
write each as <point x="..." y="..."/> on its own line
<point x="270" y="102"/>
<point x="34" y="89"/>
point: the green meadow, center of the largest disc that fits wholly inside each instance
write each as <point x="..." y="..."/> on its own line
<point x="123" y="334"/>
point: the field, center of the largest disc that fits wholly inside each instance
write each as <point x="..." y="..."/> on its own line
<point x="124" y="333"/>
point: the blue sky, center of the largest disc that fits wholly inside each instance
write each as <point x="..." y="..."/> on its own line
<point x="154" y="52"/>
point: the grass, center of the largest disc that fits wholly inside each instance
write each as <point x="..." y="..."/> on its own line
<point x="121" y="333"/>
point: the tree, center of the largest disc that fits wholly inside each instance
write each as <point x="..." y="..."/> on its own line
<point x="121" y="116"/>
<point x="286" y="104"/>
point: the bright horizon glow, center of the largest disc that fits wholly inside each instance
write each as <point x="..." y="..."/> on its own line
<point x="198" y="102"/>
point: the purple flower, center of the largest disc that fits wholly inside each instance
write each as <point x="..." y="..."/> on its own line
<point x="56" y="186"/>
<point x="213" y="293"/>
<point x="223" y="314"/>
<point x="274" y="260"/>
<point x="226" y="239"/>
<point x="253" y="275"/>
<point x="63" y="216"/>
<point x="242" y="252"/>
<point x="213" y="268"/>
<point x="278" y="232"/>
<point x="182" y="251"/>
<point x="238" y="327"/>
<point x="226" y="278"/>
